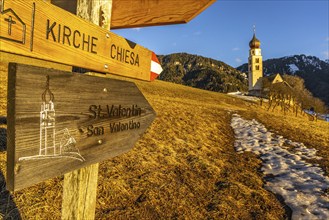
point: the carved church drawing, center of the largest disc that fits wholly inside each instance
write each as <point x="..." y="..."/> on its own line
<point x="53" y="144"/>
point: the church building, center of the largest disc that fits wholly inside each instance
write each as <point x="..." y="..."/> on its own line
<point x="255" y="67"/>
<point x="256" y="79"/>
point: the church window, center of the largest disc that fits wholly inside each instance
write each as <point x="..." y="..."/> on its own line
<point x="257" y="60"/>
<point x="257" y="67"/>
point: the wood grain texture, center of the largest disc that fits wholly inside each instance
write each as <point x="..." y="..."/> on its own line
<point x="41" y="30"/>
<point x="73" y="95"/>
<point x="5" y="59"/>
<point x="80" y="186"/>
<point x="79" y="193"/>
<point x="141" y="13"/>
<point x="96" y="11"/>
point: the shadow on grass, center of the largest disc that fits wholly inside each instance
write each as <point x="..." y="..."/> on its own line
<point x="3" y="134"/>
<point x="8" y="208"/>
<point x="3" y="139"/>
<point x="3" y="120"/>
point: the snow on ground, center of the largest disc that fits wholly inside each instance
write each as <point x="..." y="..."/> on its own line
<point x="301" y="184"/>
<point x="293" y="68"/>
<point x="244" y="97"/>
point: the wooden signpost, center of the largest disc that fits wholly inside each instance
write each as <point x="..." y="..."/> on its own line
<point x="60" y="121"/>
<point x="141" y="13"/>
<point x="41" y="30"/>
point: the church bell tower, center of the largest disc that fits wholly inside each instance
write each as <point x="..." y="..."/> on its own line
<point x="255" y="66"/>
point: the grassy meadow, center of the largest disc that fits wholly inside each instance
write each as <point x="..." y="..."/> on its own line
<point x="184" y="166"/>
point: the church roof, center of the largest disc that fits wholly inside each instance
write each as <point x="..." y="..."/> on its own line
<point x="254" y="43"/>
<point x="275" y="78"/>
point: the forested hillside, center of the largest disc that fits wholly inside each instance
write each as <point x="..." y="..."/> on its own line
<point x="201" y="72"/>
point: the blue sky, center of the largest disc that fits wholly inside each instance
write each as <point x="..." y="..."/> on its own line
<point x="223" y="30"/>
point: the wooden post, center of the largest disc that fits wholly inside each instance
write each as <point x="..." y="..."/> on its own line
<point x="80" y="186"/>
<point x="79" y="193"/>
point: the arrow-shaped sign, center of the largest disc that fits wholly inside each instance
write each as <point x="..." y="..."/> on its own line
<point x="61" y="121"/>
<point x="41" y="30"/>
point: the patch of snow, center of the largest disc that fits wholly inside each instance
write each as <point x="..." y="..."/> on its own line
<point x="301" y="184"/>
<point x="244" y="97"/>
<point x="293" y="68"/>
<point x="311" y="61"/>
<point x="235" y="93"/>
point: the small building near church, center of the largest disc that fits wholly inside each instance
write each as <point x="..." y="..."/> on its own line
<point x="275" y="78"/>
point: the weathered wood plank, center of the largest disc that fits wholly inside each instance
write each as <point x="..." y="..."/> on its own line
<point x="96" y="11"/>
<point x="35" y="29"/>
<point x="79" y="193"/>
<point x="5" y="59"/>
<point x="141" y="13"/>
<point x="98" y="118"/>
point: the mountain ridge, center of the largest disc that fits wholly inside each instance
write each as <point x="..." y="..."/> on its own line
<point x="214" y="75"/>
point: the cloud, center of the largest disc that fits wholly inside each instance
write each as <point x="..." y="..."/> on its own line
<point x="235" y="49"/>
<point x="136" y="29"/>
<point x="326" y="54"/>
<point x="238" y="60"/>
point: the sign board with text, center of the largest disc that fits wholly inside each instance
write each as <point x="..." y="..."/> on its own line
<point x="41" y="30"/>
<point x="61" y="121"/>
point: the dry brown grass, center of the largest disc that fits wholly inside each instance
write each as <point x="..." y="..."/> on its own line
<point x="185" y="166"/>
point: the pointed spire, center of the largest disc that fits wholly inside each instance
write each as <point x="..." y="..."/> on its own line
<point x="47" y="92"/>
<point x="254" y="43"/>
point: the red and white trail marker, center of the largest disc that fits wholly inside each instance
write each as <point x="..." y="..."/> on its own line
<point x="156" y="68"/>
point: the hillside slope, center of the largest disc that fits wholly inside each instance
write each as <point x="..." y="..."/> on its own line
<point x="201" y="72"/>
<point x="314" y="71"/>
<point x="184" y="167"/>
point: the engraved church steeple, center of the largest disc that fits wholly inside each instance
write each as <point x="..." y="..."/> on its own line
<point x="47" y="123"/>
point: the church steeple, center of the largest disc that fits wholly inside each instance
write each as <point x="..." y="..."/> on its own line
<point x="255" y="65"/>
<point x="254" y="43"/>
